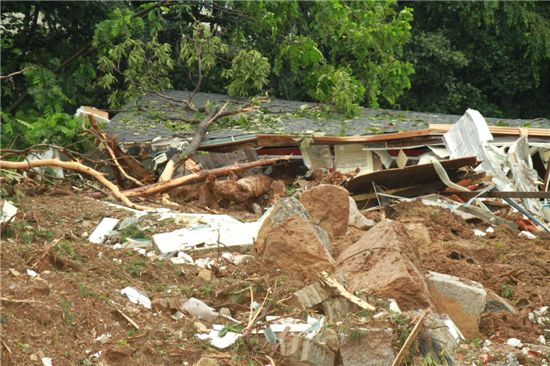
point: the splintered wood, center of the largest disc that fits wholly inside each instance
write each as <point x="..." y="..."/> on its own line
<point x="331" y="282"/>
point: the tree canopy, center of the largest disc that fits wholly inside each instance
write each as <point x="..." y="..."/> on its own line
<point x="492" y="56"/>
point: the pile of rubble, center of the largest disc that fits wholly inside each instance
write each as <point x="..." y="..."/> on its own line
<point x="441" y="265"/>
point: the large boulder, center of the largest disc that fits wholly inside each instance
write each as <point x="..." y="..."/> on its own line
<point x="462" y="300"/>
<point x="381" y="263"/>
<point x="289" y="241"/>
<point x="328" y="206"/>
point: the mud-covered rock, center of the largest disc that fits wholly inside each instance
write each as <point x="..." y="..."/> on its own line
<point x="288" y="240"/>
<point x="381" y="263"/>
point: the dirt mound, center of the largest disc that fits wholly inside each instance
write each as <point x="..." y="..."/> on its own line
<point x="512" y="266"/>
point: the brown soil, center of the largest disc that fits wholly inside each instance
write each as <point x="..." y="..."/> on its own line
<point x="60" y="313"/>
<point x="503" y="262"/>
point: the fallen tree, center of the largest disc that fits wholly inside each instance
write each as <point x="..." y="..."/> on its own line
<point x="75" y="166"/>
<point x="148" y="190"/>
<point x="197" y="177"/>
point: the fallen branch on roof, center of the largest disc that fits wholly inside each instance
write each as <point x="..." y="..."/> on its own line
<point x="199" y="135"/>
<point x="75" y="166"/>
<point x="197" y="177"/>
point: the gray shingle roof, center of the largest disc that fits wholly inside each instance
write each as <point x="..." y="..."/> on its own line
<point x="153" y="116"/>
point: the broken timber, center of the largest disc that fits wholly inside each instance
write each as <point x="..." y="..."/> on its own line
<point x="331" y="282"/>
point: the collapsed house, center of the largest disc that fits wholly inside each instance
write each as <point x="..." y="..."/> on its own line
<point x="390" y="239"/>
<point x="385" y="152"/>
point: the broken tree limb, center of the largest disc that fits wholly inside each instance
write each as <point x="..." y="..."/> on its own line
<point x="410" y="339"/>
<point x="331" y="282"/>
<point x="197" y="177"/>
<point x="72" y="165"/>
<point x="199" y="134"/>
<point x="102" y="137"/>
<point x="219" y="112"/>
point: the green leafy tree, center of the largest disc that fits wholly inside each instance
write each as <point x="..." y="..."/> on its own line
<point x="492" y="56"/>
<point x="249" y="71"/>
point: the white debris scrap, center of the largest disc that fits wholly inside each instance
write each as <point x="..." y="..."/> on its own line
<point x="200" y="310"/>
<point x="8" y="211"/>
<point x="31" y="273"/>
<point x="103" y="230"/>
<point x="47" y="361"/>
<point x="540" y="316"/>
<point x="479" y="233"/>
<point x="514" y="342"/>
<point x="206" y="231"/>
<point x="528" y="235"/>
<point x="227" y="340"/>
<point x="136" y="297"/>
<point x="104" y="338"/>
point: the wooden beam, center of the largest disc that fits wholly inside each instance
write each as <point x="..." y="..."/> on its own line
<point x="500" y="194"/>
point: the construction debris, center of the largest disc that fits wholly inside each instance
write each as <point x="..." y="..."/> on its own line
<point x="387" y="249"/>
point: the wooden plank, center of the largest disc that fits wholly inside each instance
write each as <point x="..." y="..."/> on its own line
<point x="410" y="339"/>
<point x="287" y="140"/>
<point x="497" y="130"/>
<point x="500" y="194"/>
<point x="407" y="176"/>
<point x="331" y="282"/>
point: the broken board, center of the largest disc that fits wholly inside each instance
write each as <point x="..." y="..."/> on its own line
<point x="405" y="177"/>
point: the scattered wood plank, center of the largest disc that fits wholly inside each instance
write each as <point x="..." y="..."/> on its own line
<point x="331" y="282"/>
<point x="130" y="320"/>
<point x="410" y="339"/>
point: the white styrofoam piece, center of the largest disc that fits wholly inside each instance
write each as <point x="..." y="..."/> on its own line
<point x="99" y="234"/>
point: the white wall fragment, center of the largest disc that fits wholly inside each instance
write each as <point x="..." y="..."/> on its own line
<point x="136" y="297"/>
<point x="103" y="230"/>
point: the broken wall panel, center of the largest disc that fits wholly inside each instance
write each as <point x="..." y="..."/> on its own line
<point x="407" y="176"/>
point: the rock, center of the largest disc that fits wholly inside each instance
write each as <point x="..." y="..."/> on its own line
<point x="419" y="232"/>
<point x="241" y="190"/>
<point x="302" y="351"/>
<point x="336" y="309"/>
<point x="356" y="218"/>
<point x="329" y="338"/>
<point x="310" y="295"/>
<point x="200" y="310"/>
<point x="328" y="206"/>
<point x="288" y="240"/>
<point x="367" y="347"/>
<point x="200" y="327"/>
<point x="205" y="361"/>
<point x="205" y="275"/>
<point x="437" y="339"/>
<point x="381" y="264"/>
<point x="462" y="301"/>
<point x="495" y="303"/>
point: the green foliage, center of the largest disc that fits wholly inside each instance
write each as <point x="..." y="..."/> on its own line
<point x="492" y="56"/>
<point x="235" y="328"/>
<point x="44" y="89"/>
<point x="202" y="50"/>
<point x="135" y="267"/>
<point x="131" y="60"/>
<point x="340" y="89"/>
<point x="507" y="291"/>
<point x="248" y="73"/>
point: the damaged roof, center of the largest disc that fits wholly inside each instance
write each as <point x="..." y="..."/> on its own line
<point x="152" y="116"/>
